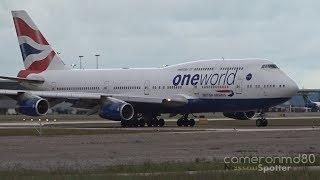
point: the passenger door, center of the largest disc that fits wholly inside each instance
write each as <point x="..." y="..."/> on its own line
<point x="106" y="87"/>
<point x="265" y="90"/>
<point x="53" y="86"/>
<point x="147" y="87"/>
<point x="238" y="84"/>
<point x="195" y="89"/>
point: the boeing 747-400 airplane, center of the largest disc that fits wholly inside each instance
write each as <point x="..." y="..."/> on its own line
<point x="137" y="96"/>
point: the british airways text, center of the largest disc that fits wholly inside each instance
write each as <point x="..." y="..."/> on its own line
<point x="226" y="78"/>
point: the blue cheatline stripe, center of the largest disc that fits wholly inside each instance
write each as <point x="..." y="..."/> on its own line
<point x="26" y="50"/>
<point x="213" y="105"/>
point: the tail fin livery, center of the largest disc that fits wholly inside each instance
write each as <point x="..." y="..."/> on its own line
<point x="37" y="54"/>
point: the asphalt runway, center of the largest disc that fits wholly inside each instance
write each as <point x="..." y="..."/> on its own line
<point x="169" y="127"/>
<point x="118" y="146"/>
<point x="94" y="151"/>
<point x="36" y="121"/>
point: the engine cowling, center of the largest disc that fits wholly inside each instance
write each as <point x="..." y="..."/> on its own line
<point x="115" y="109"/>
<point x="240" y="115"/>
<point x="32" y="106"/>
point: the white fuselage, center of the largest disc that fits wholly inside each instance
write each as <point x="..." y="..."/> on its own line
<point x="206" y="80"/>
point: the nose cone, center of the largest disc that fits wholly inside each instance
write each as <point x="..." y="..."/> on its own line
<point x="292" y="87"/>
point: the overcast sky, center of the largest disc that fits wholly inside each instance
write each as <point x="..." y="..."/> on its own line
<point x="151" y="33"/>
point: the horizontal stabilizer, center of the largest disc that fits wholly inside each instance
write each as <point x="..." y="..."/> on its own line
<point x="17" y="79"/>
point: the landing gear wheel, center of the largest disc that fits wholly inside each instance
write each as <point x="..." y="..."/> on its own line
<point x="261" y="122"/>
<point x="155" y="122"/>
<point x="149" y="123"/>
<point x="130" y="124"/>
<point x="124" y="123"/>
<point x="141" y="122"/>
<point x="152" y="120"/>
<point x="185" y="122"/>
<point x="135" y="123"/>
<point x="161" y="122"/>
<point x="192" y="122"/>
<point x="265" y="123"/>
<point x="180" y="122"/>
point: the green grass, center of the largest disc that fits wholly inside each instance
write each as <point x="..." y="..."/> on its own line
<point x="293" y="175"/>
<point x="117" y="172"/>
<point x="198" y="169"/>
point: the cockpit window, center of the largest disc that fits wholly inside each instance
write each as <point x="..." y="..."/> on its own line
<point x="269" y="66"/>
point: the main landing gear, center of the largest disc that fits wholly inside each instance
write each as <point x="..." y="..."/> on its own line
<point x="262" y="121"/>
<point x="135" y="122"/>
<point x="155" y="122"/>
<point x="184" y="121"/>
<point x="142" y="120"/>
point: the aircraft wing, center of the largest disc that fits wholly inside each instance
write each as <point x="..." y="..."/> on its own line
<point x="90" y="98"/>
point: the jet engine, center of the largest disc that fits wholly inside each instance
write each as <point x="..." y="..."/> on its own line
<point x="32" y="106"/>
<point x="115" y="109"/>
<point x="240" y="115"/>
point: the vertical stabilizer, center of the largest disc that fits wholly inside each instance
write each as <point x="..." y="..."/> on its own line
<point x="37" y="54"/>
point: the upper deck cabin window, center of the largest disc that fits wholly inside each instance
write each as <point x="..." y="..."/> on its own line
<point x="269" y="66"/>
